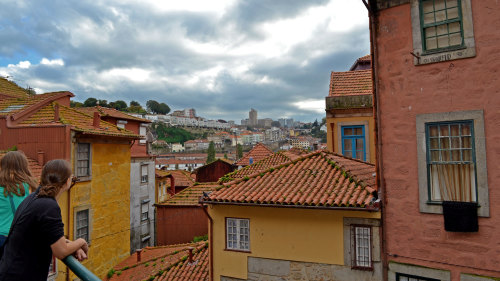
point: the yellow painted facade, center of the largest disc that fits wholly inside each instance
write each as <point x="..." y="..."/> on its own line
<point x="107" y="196"/>
<point x="307" y="235"/>
<point x="334" y="136"/>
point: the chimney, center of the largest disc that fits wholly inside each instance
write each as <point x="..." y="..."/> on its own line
<point x="190" y="259"/>
<point x="41" y="156"/>
<point x="172" y="184"/>
<point x="97" y="119"/>
<point x="56" y="112"/>
<point x="138" y="255"/>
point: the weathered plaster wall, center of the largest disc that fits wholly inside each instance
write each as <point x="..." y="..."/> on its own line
<point x="139" y="192"/>
<point x="107" y="197"/>
<point x="406" y="90"/>
<point x="292" y="234"/>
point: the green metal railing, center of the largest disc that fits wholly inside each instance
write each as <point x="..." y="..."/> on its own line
<point x="81" y="271"/>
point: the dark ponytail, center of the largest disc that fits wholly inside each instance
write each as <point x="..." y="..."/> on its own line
<point x="54" y="175"/>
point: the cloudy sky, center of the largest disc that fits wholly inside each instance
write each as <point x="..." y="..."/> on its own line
<point x="221" y="57"/>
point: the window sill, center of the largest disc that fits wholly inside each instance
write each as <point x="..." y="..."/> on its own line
<point x="239" y="251"/>
<point x="444" y="50"/>
<point x="83" y="179"/>
<point x="362" y="268"/>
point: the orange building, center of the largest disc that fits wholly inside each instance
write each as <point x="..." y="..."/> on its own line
<point x="349" y="112"/>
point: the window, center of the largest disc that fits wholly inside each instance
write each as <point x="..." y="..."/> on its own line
<point x="238" y="234"/>
<point x="362" y="247"/>
<point x="144" y="211"/>
<point x="353" y="142"/>
<point x="82" y="225"/>
<point x="408" y="277"/>
<point x="441" y="24"/>
<point x="442" y="30"/>
<point x="142" y="132"/>
<point x="144" y="173"/>
<point x="451" y="154"/>
<point x="121" y="124"/>
<point x="450" y="161"/>
<point x="83" y="160"/>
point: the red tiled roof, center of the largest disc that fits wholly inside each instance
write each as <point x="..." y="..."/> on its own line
<point x="166" y="263"/>
<point x="35" y="168"/>
<point x="10" y="88"/>
<point x="319" y="179"/>
<point x="272" y="160"/>
<point x="79" y="121"/>
<point x="258" y="152"/>
<point x="13" y="105"/>
<point x="111" y="112"/>
<point x="181" y="177"/>
<point x="357" y="82"/>
<point x="189" y="196"/>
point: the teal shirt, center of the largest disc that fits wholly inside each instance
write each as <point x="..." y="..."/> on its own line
<point x="6" y="215"/>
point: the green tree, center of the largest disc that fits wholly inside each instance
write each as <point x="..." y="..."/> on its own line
<point x="90" y="102"/>
<point x="118" y="105"/>
<point x="239" y="151"/>
<point x="75" y="104"/>
<point x="211" y="153"/>
<point x="134" y="103"/>
<point x="152" y="106"/>
<point x="225" y="156"/>
<point x="103" y="103"/>
<point x="164" y="108"/>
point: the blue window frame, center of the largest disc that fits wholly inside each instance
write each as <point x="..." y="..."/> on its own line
<point x="451" y="161"/>
<point x="353" y="142"/>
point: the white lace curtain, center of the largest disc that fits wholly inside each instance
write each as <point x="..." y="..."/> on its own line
<point x="453" y="182"/>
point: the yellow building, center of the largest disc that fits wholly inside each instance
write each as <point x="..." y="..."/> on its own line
<point x="97" y="208"/>
<point x="349" y="112"/>
<point x="314" y="218"/>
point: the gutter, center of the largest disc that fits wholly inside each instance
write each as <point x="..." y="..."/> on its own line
<point x="373" y="208"/>
<point x="371" y="7"/>
<point x="210" y="241"/>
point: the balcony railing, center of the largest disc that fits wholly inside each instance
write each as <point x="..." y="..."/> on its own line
<point x="81" y="271"/>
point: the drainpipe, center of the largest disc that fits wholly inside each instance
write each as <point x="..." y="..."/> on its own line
<point x="371" y="7"/>
<point x="68" y="212"/>
<point x="210" y="241"/>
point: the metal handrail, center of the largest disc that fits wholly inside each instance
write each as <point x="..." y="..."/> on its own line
<point x="81" y="271"/>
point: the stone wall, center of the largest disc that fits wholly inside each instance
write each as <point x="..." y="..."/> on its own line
<point x="260" y="269"/>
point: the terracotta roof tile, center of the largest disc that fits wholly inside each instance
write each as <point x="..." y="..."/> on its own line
<point x="357" y="82"/>
<point x="182" y="178"/>
<point x="79" y="121"/>
<point x="258" y="152"/>
<point x="111" y="112"/>
<point x="190" y="196"/>
<point x="35" y="168"/>
<point x="14" y="105"/>
<point x="319" y="179"/>
<point x="10" y="88"/>
<point x="166" y="263"/>
<point x="272" y="160"/>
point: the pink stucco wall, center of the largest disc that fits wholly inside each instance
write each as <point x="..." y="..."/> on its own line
<point x="406" y="90"/>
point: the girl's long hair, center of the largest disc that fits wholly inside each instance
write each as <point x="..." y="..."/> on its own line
<point x="54" y="175"/>
<point x="14" y="172"/>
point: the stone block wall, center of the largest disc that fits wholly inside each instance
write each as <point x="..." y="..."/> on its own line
<point x="260" y="269"/>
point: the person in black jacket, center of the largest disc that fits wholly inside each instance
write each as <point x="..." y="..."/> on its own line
<point x="37" y="231"/>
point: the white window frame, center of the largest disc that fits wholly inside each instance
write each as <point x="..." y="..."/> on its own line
<point x="234" y="226"/>
<point x="143" y="132"/>
<point x="362" y="252"/>
<point x="79" y="160"/>
<point x="121" y="124"/>
<point x="144" y="210"/>
<point x="144" y="177"/>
